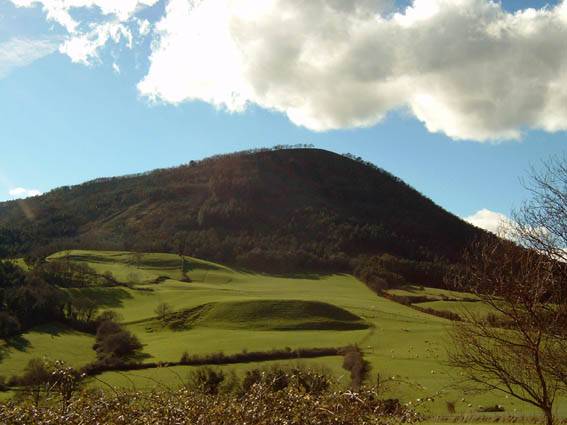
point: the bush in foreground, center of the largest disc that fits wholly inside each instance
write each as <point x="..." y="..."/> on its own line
<point x="259" y="406"/>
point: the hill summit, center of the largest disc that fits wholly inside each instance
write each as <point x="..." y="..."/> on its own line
<point x="284" y="210"/>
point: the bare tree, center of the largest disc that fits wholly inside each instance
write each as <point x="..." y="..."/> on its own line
<point x="163" y="310"/>
<point x="523" y="352"/>
<point x="181" y="242"/>
<point x="541" y="223"/>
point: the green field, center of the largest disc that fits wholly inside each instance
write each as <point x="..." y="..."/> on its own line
<point x="462" y="308"/>
<point x="433" y="294"/>
<point x="221" y="309"/>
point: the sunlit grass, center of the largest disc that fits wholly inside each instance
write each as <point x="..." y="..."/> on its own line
<point x="400" y="342"/>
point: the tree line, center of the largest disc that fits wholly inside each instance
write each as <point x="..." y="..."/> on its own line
<point x="38" y="295"/>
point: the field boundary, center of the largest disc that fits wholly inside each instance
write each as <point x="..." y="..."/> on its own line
<point x="217" y="359"/>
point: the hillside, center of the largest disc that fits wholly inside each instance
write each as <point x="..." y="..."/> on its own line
<point x="230" y="311"/>
<point x="287" y="210"/>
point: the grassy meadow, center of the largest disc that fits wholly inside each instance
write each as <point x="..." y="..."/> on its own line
<point x="222" y="309"/>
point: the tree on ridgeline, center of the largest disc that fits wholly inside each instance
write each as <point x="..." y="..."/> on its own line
<point x="523" y="280"/>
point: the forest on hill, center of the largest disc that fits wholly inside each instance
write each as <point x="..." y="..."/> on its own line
<point x="278" y="210"/>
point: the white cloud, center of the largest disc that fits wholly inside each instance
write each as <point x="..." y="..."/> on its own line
<point x="20" y="192"/>
<point x="60" y="10"/>
<point x="494" y="222"/>
<point x="466" y="68"/>
<point x="88" y="36"/>
<point x="84" y="48"/>
<point x="19" y="52"/>
<point x="144" y="27"/>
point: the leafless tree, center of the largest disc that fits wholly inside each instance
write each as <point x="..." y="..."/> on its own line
<point x="523" y="352"/>
<point x="163" y="310"/>
<point x="181" y="242"/>
<point x="541" y="223"/>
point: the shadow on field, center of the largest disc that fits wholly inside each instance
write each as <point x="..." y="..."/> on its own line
<point x="104" y="297"/>
<point x="411" y="288"/>
<point x="53" y="329"/>
<point x="307" y="276"/>
<point x="17" y="342"/>
<point x="190" y="266"/>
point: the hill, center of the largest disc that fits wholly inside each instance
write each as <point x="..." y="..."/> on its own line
<point x="286" y="210"/>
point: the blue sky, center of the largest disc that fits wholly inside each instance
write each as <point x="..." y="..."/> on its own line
<point x="65" y="122"/>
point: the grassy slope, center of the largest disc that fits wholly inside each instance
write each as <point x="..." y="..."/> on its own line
<point x="401" y="341"/>
<point x="464" y="309"/>
<point x="431" y="293"/>
<point x="53" y="341"/>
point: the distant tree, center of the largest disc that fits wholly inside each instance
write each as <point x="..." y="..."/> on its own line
<point x="108" y="316"/>
<point x="181" y="248"/>
<point x="119" y="345"/>
<point x="163" y="310"/>
<point x="36" y="379"/>
<point x="114" y="343"/>
<point x="83" y="309"/>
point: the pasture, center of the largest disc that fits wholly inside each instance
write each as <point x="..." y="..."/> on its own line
<point x="221" y="309"/>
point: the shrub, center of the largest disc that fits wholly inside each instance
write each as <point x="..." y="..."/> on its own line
<point x="311" y="381"/>
<point x="64" y="380"/>
<point x="113" y="342"/>
<point x="185" y="358"/>
<point x="206" y="380"/>
<point x="120" y="344"/>
<point x="258" y="407"/>
<point x="358" y="367"/>
<point x="278" y="378"/>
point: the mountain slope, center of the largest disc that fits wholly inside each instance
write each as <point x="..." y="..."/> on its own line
<point x="277" y="210"/>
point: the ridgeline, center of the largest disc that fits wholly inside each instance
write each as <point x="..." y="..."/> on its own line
<point x="279" y="211"/>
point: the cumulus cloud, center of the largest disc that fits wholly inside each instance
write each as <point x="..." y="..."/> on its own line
<point x="19" y="52"/>
<point x="492" y="221"/>
<point x="466" y="68"/>
<point x="20" y="192"/>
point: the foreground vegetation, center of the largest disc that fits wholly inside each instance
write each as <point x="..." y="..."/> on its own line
<point x="275" y="395"/>
<point x="299" y="398"/>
